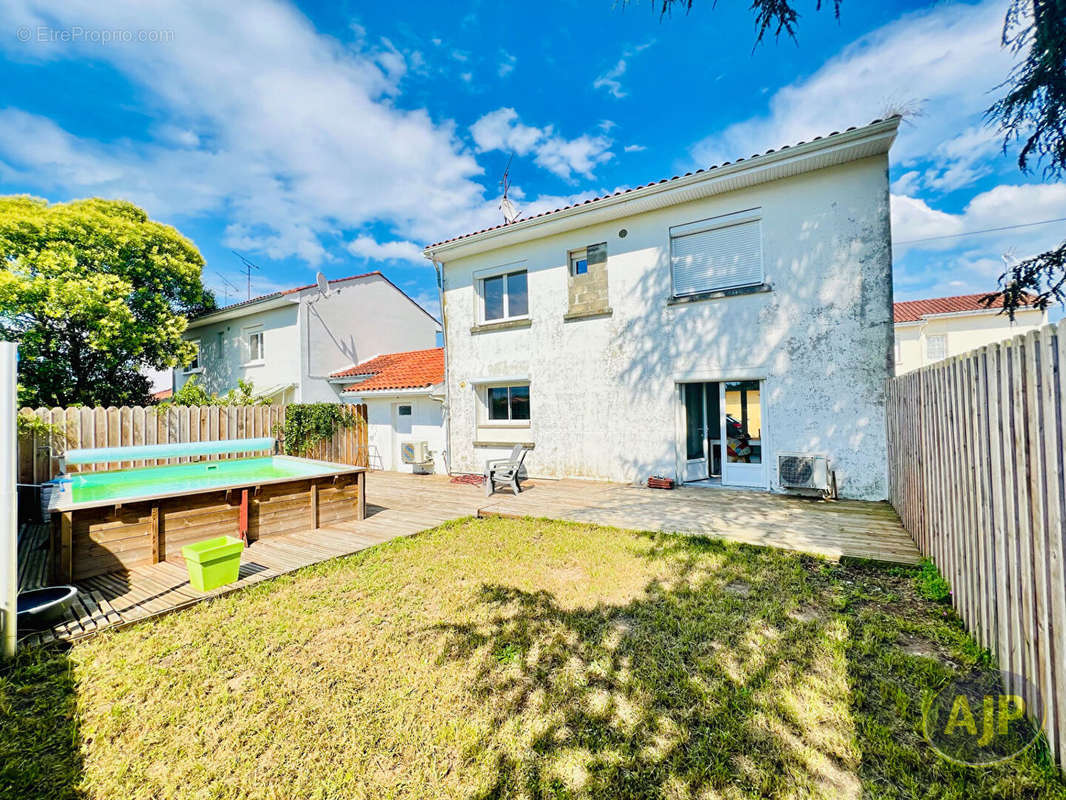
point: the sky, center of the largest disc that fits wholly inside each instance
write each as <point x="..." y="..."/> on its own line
<point x="343" y="137"/>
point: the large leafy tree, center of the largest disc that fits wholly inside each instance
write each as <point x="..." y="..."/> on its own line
<point x="94" y="291"/>
<point x="1031" y="115"/>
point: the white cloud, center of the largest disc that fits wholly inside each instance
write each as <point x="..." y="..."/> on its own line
<point x="610" y="80"/>
<point x="502" y="130"/>
<point x="1001" y="206"/>
<point x="949" y="57"/>
<point x="907" y="183"/>
<point x="291" y="134"/>
<point x="634" y="148"/>
<point x="507" y="64"/>
<point x="368" y="247"/>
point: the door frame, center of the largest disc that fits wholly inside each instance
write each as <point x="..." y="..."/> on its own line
<point x="394" y="433"/>
<point x="720" y="377"/>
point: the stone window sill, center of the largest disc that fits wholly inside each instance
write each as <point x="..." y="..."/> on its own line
<point x="719" y="295"/>
<point x="570" y="316"/>
<point x="509" y="324"/>
<point x="527" y="445"/>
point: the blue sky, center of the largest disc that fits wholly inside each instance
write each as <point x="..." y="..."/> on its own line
<point x="344" y="136"/>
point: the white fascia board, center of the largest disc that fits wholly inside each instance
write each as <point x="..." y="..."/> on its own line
<point x="793" y="160"/>
<point x="380" y="394"/>
<point x="243" y="311"/>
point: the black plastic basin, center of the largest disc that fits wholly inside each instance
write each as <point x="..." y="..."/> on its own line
<point x="43" y="608"/>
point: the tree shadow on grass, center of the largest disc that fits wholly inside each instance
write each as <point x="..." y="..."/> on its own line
<point x="710" y="678"/>
<point x="40" y="752"/>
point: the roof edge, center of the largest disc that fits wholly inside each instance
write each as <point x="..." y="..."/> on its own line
<point x="503" y="235"/>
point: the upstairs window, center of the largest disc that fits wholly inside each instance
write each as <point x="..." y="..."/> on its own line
<point x="717" y="254"/>
<point x="254" y="342"/>
<point x="579" y="262"/>
<point x="504" y="297"/>
<point x="194" y="365"/>
<point x="936" y="348"/>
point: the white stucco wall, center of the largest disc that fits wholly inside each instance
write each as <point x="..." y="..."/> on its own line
<point x="603" y="392"/>
<point x="426" y="425"/>
<point x="310" y="337"/>
<point x="962" y="332"/>
<point x="224" y="352"/>
<point x="360" y="319"/>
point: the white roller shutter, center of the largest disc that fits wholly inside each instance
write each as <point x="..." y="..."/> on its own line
<point x="723" y="257"/>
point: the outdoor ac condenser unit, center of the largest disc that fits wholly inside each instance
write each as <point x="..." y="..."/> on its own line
<point x="804" y="471"/>
<point x="414" y="452"/>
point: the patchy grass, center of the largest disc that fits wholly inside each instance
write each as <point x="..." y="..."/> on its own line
<point x="526" y="659"/>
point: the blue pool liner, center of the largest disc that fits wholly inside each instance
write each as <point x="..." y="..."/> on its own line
<point x="96" y="455"/>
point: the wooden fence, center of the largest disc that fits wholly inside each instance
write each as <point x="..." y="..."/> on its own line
<point x="113" y="427"/>
<point x="976" y="473"/>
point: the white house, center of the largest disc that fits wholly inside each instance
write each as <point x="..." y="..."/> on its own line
<point x="289" y="343"/>
<point x="695" y="327"/>
<point x="930" y="330"/>
<point x="404" y="396"/>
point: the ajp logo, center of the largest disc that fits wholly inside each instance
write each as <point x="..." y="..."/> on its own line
<point x="983" y="718"/>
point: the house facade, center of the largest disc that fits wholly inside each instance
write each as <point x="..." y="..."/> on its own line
<point x="289" y="343"/>
<point x="927" y="331"/>
<point x="404" y="397"/>
<point x="695" y="327"/>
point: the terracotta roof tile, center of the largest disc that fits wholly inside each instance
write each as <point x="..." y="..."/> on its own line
<point x="649" y="183"/>
<point x="415" y="369"/>
<point x="914" y="310"/>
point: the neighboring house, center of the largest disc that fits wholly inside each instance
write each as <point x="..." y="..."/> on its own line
<point x="289" y="343"/>
<point x="162" y="395"/>
<point x="404" y="395"/>
<point x="930" y="330"/>
<point x="695" y="327"/>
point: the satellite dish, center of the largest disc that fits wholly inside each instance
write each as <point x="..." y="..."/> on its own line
<point x="510" y="213"/>
<point x="323" y="284"/>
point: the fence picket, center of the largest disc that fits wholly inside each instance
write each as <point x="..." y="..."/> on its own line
<point x="976" y="459"/>
<point x="83" y="427"/>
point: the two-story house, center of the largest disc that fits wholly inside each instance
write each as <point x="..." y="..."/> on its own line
<point x="290" y="343"/>
<point x="930" y="330"/>
<point x="695" y="327"/>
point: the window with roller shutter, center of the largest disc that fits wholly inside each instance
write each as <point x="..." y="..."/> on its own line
<point x="717" y="254"/>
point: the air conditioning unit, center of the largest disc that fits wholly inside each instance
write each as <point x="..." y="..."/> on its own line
<point x="804" y="471"/>
<point x="415" y="452"/>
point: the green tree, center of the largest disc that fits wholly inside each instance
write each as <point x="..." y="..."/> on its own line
<point x="1031" y="115"/>
<point x="94" y="291"/>
<point x="193" y="394"/>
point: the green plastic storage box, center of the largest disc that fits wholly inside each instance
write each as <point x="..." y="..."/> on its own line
<point x="213" y="562"/>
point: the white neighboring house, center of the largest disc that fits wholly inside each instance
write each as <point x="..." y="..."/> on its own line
<point x="290" y="342"/>
<point x="404" y="395"/>
<point x="930" y="330"/>
<point x="695" y="327"/>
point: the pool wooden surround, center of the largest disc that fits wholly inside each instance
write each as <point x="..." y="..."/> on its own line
<point x="90" y="539"/>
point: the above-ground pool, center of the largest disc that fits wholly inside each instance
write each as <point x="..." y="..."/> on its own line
<point x="116" y="520"/>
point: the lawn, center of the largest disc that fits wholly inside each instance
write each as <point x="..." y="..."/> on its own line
<point x="514" y="658"/>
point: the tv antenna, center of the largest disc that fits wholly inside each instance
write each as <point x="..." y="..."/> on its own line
<point x="228" y="284"/>
<point x="510" y="212"/>
<point x="248" y="267"/>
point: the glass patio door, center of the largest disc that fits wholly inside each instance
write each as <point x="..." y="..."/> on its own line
<point x="742" y="411"/>
<point x="695" y="401"/>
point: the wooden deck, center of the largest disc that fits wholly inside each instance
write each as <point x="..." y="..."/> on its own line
<point x="401" y="504"/>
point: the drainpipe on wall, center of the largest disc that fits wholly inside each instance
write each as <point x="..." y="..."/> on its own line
<point x="447" y="409"/>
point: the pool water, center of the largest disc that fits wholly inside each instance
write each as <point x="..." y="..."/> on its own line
<point x="92" y="487"/>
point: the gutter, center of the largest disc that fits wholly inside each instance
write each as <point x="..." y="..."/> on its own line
<point x="446" y="406"/>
